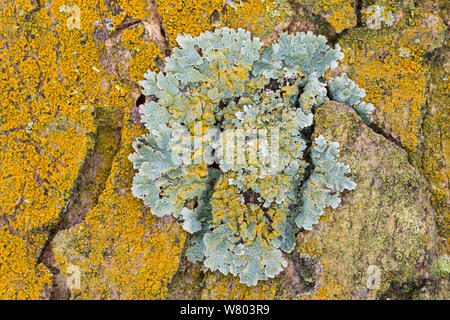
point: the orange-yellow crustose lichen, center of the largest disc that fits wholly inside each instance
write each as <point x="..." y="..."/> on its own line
<point x="257" y="16"/>
<point x="53" y="80"/>
<point x="20" y="277"/>
<point x="137" y="9"/>
<point x="45" y="135"/>
<point x="339" y="13"/>
<point x="436" y="156"/>
<point x="129" y="230"/>
<point x="44" y="138"/>
<point x="400" y="93"/>
<point x="196" y="16"/>
<point x="121" y="249"/>
<point x="389" y="64"/>
<point x="133" y="41"/>
<point x="187" y="16"/>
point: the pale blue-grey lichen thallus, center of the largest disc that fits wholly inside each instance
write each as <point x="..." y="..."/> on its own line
<point x="242" y="215"/>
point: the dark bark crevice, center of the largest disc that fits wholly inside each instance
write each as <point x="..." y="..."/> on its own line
<point x="82" y="200"/>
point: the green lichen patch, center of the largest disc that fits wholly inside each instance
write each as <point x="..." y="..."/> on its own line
<point x="383" y="234"/>
<point x="403" y="69"/>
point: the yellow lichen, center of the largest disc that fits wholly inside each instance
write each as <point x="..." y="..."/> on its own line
<point x="121" y="249"/>
<point x="54" y="80"/>
<point x="395" y="83"/>
<point x="20" y="277"/>
<point x="187" y="16"/>
<point x="339" y="13"/>
<point x="219" y="287"/>
<point x="196" y="16"/>
<point x="257" y="16"/>
<point x="436" y="155"/>
<point x="133" y="41"/>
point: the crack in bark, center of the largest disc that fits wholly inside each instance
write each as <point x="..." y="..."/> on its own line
<point x="160" y="34"/>
<point x="185" y="270"/>
<point x="83" y="199"/>
<point x="78" y="205"/>
<point x="377" y="129"/>
<point x="358" y="13"/>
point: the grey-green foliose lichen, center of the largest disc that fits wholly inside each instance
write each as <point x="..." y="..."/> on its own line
<point x="229" y="151"/>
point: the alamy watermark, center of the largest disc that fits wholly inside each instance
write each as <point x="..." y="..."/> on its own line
<point x="74" y="21"/>
<point x="74" y="279"/>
